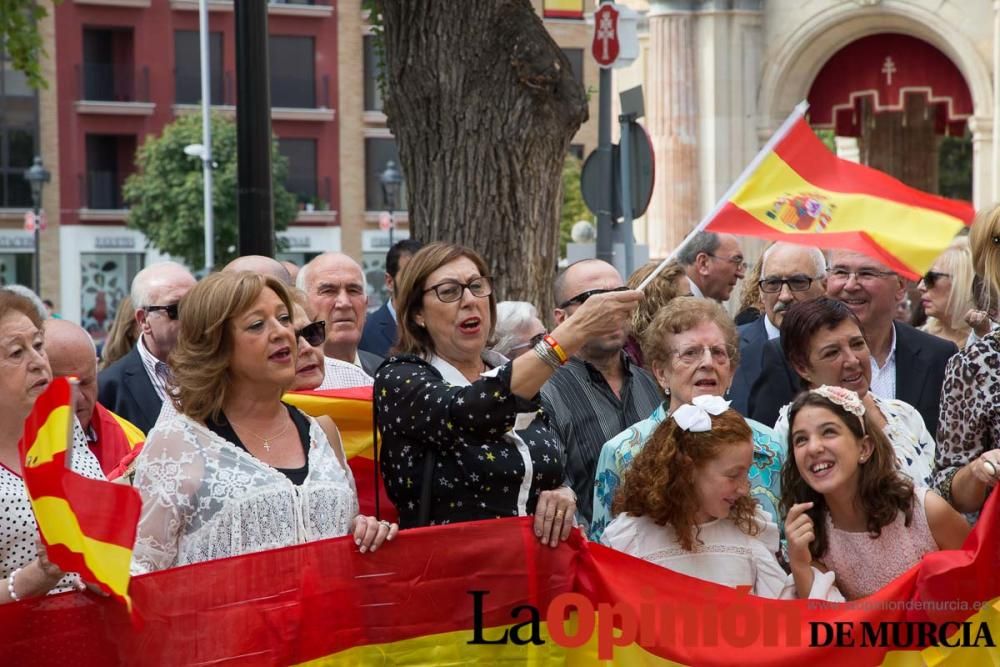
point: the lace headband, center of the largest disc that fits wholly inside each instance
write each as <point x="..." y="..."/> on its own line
<point x="696" y="416"/>
<point x="846" y="399"/>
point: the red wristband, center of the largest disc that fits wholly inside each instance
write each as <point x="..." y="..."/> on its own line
<point x="557" y="348"/>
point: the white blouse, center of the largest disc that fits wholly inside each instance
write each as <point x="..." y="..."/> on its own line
<point x="912" y="442"/>
<point x="18" y="529"/>
<point x="205" y="498"/>
<point x="722" y="554"/>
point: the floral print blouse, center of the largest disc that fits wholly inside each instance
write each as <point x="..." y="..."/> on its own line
<point x="493" y="451"/>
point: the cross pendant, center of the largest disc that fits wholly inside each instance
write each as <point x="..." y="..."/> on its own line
<point x="267" y="446"/>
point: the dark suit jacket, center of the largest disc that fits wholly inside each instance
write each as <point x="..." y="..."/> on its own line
<point x="370" y="362"/>
<point x="920" y="362"/>
<point x="753" y="338"/>
<point x="380" y="332"/>
<point x="125" y="389"/>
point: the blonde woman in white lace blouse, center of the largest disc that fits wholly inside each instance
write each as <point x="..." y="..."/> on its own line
<point x="237" y="470"/>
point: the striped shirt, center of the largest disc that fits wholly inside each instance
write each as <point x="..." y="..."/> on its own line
<point x="149" y="362"/>
<point x="585" y="412"/>
<point x="341" y="375"/>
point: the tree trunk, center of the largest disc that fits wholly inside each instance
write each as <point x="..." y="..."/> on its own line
<point x="483" y="105"/>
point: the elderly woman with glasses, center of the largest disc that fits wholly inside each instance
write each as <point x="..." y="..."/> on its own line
<point x="462" y="435"/>
<point x="948" y="298"/>
<point x="518" y="328"/>
<point x="691" y="348"/>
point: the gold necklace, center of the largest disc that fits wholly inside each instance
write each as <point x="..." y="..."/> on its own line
<point x="267" y="443"/>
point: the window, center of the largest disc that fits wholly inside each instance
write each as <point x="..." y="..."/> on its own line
<point x="378" y="152"/>
<point x="373" y="91"/>
<point x="187" y="67"/>
<point x="109" y="161"/>
<point x="575" y="57"/>
<point x="18" y="135"/>
<point x="301" y="156"/>
<point x="108" y="69"/>
<point x="104" y="281"/>
<point x="17" y="268"/>
<point x="293" y="78"/>
<point x="563" y="9"/>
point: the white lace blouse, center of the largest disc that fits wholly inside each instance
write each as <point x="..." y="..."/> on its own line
<point x="205" y="498"/>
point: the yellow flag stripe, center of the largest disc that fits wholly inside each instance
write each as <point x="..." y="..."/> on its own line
<point x="109" y="562"/>
<point x="913" y="235"/>
<point x="132" y="432"/>
<point x="52" y="439"/>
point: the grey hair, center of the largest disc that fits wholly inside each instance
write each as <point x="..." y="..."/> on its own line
<point x="302" y="279"/>
<point x="817" y="256"/>
<point x="140" y="284"/>
<point x="512" y="317"/>
<point x="30" y="295"/>
<point x="702" y="242"/>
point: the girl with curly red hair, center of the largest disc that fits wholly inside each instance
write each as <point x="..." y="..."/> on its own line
<point x="684" y="504"/>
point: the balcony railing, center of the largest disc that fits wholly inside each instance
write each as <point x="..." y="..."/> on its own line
<point x="301" y="92"/>
<point x="101" y="82"/>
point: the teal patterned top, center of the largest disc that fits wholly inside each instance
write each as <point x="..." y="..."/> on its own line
<point x="616" y="455"/>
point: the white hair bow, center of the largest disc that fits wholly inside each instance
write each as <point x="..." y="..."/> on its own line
<point x="696" y="416"/>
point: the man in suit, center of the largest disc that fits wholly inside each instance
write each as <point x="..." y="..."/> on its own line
<point x="907" y="364"/>
<point x="380" y="329"/>
<point x="713" y="263"/>
<point x="336" y="290"/>
<point x="789" y="273"/>
<point x="135" y="385"/>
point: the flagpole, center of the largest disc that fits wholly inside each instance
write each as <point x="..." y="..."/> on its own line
<point x="797" y="113"/>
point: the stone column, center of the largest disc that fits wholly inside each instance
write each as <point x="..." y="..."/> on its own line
<point x="984" y="167"/>
<point x="672" y="102"/>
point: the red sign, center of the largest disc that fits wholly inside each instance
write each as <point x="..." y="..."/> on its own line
<point x="605" y="47"/>
<point x="29" y="221"/>
<point x="385" y="221"/>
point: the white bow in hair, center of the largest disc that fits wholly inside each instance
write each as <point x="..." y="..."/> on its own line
<point x="696" y="416"/>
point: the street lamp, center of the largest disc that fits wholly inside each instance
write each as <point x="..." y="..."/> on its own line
<point x="37" y="177"/>
<point x="199" y="151"/>
<point x="391" y="179"/>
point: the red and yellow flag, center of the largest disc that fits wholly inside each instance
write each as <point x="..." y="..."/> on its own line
<point x="563" y="9"/>
<point x="87" y="525"/>
<point x="351" y="410"/>
<point x="798" y="191"/>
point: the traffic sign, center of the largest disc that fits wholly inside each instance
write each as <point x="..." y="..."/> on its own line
<point x="29" y="221"/>
<point x="385" y="221"/>
<point x="606" y="44"/>
<point x="641" y="170"/>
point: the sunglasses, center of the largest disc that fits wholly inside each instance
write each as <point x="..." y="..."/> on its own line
<point x="583" y="296"/>
<point x="171" y="310"/>
<point x="931" y="278"/>
<point x="314" y="334"/>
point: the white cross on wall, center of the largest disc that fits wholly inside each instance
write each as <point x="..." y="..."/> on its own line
<point x="888" y="67"/>
<point x="605" y="33"/>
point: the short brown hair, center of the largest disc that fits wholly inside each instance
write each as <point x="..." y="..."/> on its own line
<point x="12" y="302"/>
<point x="200" y="361"/>
<point x="804" y="319"/>
<point x="414" y="339"/>
<point x="883" y="491"/>
<point x="677" y="317"/>
<point x="660" y="481"/>
<point x="657" y="294"/>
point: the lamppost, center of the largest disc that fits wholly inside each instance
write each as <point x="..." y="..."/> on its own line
<point x="391" y="179"/>
<point x="205" y="155"/>
<point x="37" y="177"/>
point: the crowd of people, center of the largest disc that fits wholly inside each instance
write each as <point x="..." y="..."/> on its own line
<point x="813" y="445"/>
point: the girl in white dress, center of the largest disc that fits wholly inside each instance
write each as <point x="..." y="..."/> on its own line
<point x="684" y="504"/>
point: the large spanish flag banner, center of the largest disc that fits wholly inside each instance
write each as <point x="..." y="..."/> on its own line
<point x="487" y="593"/>
<point x="87" y="525"/>
<point x="796" y="190"/>
<point x="351" y="410"/>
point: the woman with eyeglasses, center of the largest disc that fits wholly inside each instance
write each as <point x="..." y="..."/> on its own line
<point x="692" y="349"/>
<point x="948" y="299"/>
<point x="462" y="435"/>
<point x="823" y="342"/>
<point x="238" y="470"/>
<point x="518" y="328"/>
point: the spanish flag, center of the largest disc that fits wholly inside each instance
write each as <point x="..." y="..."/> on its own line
<point x="87" y="525"/>
<point x="797" y="191"/>
<point x="563" y="9"/>
<point x="351" y="410"/>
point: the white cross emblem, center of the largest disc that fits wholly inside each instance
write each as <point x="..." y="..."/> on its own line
<point x="888" y="67"/>
<point x="605" y="33"/>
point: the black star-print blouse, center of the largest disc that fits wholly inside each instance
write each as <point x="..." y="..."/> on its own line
<point x="478" y="472"/>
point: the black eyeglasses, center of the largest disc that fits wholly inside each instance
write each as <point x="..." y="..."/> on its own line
<point x="171" y="310"/>
<point x="450" y="291"/>
<point x="583" y="296"/>
<point x="797" y="283"/>
<point x="314" y="333"/>
<point x="931" y="278"/>
<point x="532" y="342"/>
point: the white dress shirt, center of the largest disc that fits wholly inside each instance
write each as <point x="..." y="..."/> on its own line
<point x="883" y="382"/>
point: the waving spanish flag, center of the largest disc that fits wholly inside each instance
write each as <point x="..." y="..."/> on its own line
<point x="87" y="525"/>
<point x="797" y="191"/>
<point x="351" y="410"/>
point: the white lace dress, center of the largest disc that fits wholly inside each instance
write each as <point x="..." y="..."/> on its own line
<point x="205" y="498"/>
<point x="18" y="529"/>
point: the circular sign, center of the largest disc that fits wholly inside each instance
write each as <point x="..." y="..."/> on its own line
<point x="29" y="221"/>
<point x="385" y="221"/>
